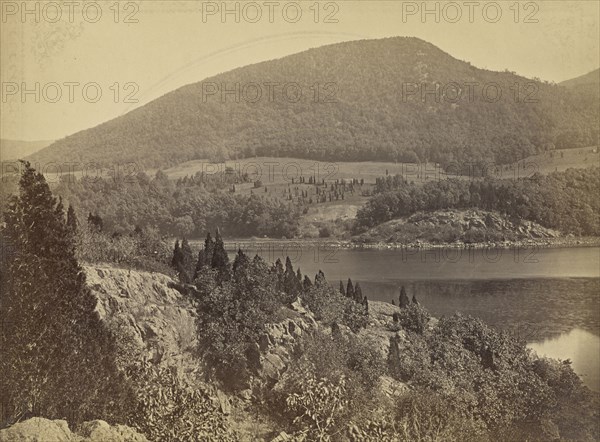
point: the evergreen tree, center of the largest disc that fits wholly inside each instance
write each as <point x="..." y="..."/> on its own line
<point x="187" y="261"/>
<point x="320" y="279"/>
<point x="177" y="259"/>
<point x="358" y="296"/>
<point x="299" y="276"/>
<point x="414" y="299"/>
<point x="291" y="285"/>
<point x="350" y="289"/>
<point x="365" y="303"/>
<point x="404" y="301"/>
<point x="342" y="289"/>
<point x="58" y="358"/>
<point x="209" y="248"/>
<point x="72" y="220"/>
<point x="241" y="264"/>
<point x="220" y="260"/>
<point x="307" y="283"/>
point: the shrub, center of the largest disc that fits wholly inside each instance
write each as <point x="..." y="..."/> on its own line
<point x="169" y="409"/>
<point x="318" y="406"/>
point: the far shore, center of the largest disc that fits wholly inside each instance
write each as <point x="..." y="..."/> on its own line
<point x="564" y="242"/>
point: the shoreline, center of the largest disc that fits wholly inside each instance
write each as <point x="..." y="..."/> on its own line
<point x="566" y="242"/>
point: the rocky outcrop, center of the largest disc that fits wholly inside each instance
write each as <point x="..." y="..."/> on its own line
<point x="455" y="227"/>
<point x="275" y="346"/>
<point x="43" y="430"/>
<point x="156" y="320"/>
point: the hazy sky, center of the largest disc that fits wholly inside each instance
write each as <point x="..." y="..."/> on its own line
<point x="173" y="43"/>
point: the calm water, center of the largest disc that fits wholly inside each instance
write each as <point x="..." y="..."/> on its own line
<point x="549" y="297"/>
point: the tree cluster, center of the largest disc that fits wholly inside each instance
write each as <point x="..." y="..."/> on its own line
<point x="566" y="201"/>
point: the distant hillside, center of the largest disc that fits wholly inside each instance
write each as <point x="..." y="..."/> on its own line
<point x="11" y="150"/>
<point x="587" y="79"/>
<point x="372" y="116"/>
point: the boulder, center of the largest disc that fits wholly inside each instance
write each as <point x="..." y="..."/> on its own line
<point x="38" y="429"/>
<point x="100" y="431"/>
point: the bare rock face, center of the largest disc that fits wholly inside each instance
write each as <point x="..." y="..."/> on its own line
<point x="158" y="321"/>
<point x="44" y="430"/>
<point x="275" y="346"/>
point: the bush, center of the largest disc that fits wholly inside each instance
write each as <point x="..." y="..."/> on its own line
<point x="169" y="409"/>
<point x="323" y="360"/>
<point x="318" y="407"/>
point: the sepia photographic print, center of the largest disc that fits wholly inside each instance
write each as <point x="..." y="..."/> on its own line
<point x="297" y="221"/>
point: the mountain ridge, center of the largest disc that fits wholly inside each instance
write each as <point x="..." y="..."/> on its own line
<point x="361" y="100"/>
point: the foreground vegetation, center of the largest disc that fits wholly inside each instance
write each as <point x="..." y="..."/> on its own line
<point x="457" y="378"/>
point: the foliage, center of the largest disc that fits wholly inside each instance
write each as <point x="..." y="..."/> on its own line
<point x="562" y="200"/>
<point x="167" y="408"/>
<point x="322" y="364"/>
<point x="318" y="406"/>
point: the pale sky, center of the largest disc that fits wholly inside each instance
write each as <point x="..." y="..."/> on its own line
<point x="173" y="44"/>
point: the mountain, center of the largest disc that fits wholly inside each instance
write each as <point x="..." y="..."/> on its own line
<point x="591" y="78"/>
<point x="371" y="116"/>
<point x="11" y="150"/>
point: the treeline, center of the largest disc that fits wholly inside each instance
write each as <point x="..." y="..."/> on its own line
<point x="566" y="201"/>
<point x="186" y="207"/>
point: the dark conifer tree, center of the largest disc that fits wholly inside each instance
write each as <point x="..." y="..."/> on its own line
<point x="291" y="285"/>
<point x="307" y="283"/>
<point x="177" y="258"/>
<point x="414" y="299"/>
<point x="320" y="278"/>
<point x="187" y="261"/>
<point x="365" y="302"/>
<point x="358" y="296"/>
<point x="58" y="358"/>
<point x="350" y="289"/>
<point x="299" y="275"/>
<point x="209" y="248"/>
<point x="342" y="288"/>
<point x="72" y="220"/>
<point x="241" y="264"/>
<point x="404" y="301"/>
<point x="220" y="260"/>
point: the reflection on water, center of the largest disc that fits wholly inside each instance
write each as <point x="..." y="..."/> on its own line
<point x="581" y="347"/>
